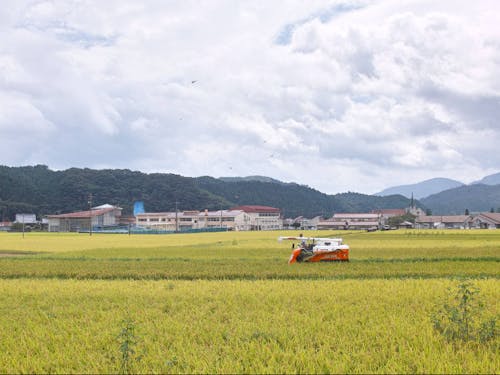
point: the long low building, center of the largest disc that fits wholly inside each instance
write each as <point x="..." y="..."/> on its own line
<point x="443" y="222"/>
<point x="101" y="217"/>
<point x="185" y="220"/>
<point x="239" y="218"/>
<point x="352" y="221"/>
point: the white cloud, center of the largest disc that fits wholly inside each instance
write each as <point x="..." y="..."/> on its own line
<point x="369" y="93"/>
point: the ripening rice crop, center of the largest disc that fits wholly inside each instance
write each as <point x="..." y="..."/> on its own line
<point x="248" y="255"/>
<point x="234" y="326"/>
<point x="230" y="303"/>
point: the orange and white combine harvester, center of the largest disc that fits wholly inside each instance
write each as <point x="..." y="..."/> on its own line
<point x="315" y="249"/>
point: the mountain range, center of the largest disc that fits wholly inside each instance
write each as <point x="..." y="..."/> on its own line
<point x="435" y="185"/>
<point x="422" y="189"/>
<point x="443" y="196"/>
<point x="474" y="198"/>
<point x="492" y="179"/>
<point x="37" y="189"/>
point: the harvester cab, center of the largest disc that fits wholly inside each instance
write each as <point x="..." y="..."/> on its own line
<point x="317" y="249"/>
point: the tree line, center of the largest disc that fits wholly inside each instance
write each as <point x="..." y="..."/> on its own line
<point x="39" y="190"/>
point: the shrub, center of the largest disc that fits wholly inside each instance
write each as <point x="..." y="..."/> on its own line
<point x="127" y="340"/>
<point x="461" y="317"/>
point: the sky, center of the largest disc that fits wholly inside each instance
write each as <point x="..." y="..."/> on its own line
<point x="337" y="95"/>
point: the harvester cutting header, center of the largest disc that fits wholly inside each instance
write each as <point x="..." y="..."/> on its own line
<point x="317" y="249"/>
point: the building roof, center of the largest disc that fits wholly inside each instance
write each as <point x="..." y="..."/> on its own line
<point x="224" y="213"/>
<point x="406" y="224"/>
<point x="256" y="209"/>
<point x="390" y="211"/>
<point x="104" y="206"/>
<point x="83" y="214"/>
<point x="493" y="217"/>
<point x="354" y="223"/>
<point x="363" y="223"/>
<point x="348" y="216"/>
<point x="198" y="214"/>
<point x="442" y="219"/>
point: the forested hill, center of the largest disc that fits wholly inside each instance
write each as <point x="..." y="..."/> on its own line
<point x="295" y="199"/>
<point x="474" y="198"/>
<point x="43" y="191"/>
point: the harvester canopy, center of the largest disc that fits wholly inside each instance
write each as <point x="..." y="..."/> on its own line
<point x="317" y="249"/>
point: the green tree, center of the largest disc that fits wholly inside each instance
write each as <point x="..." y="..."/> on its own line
<point x="397" y="220"/>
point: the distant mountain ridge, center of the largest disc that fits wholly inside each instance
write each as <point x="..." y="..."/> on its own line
<point x="492" y="179"/>
<point x="474" y="198"/>
<point x="39" y="190"/>
<point x="422" y="189"/>
<point x="251" y="178"/>
<point x="296" y="200"/>
<point x="444" y="196"/>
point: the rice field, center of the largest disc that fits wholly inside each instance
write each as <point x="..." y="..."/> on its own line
<point x="229" y="303"/>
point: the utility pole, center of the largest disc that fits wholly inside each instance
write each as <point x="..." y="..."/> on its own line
<point x="90" y="213"/>
<point x="176" y="218"/>
<point x="23" y="225"/>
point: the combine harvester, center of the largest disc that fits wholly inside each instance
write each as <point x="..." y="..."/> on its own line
<point x="315" y="249"/>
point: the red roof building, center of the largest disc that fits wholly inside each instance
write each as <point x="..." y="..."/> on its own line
<point x="390" y="212"/>
<point x="5" y="226"/>
<point x="102" y="216"/>
<point x="263" y="209"/>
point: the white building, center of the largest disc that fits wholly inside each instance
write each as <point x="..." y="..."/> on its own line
<point x="237" y="218"/>
<point x="185" y="220"/>
<point x="26" y="218"/>
<point x="443" y="222"/>
<point x="262" y="217"/>
<point x="352" y="221"/>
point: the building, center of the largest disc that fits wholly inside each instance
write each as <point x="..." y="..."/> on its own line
<point x="405" y="225"/>
<point x="443" y="222"/>
<point x="413" y="209"/>
<point x="237" y="218"/>
<point x="352" y="221"/>
<point x="101" y="217"/>
<point x="26" y="219"/>
<point x="187" y="220"/>
<point x="262" y="217"/>
<point x="5" y="226"/>
<point x="387" y="213"/>
<point x="486" y="220"/>
<point x="302" y="223"/>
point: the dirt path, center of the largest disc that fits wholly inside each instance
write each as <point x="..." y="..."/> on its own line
<point x="14" y="254"/>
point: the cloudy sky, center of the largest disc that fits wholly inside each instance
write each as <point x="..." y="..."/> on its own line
<point x="338" y="95"/>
